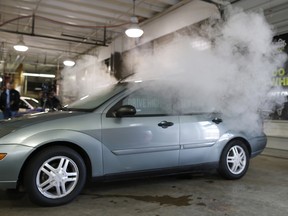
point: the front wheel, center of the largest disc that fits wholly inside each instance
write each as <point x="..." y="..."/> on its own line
<point x="234" y="161"/>
<point x="55" y="176"/>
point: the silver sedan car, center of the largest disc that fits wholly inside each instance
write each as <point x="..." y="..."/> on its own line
<point x="125" y="129"/>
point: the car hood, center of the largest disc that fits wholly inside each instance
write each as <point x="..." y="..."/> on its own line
<point x="7" y="126"/>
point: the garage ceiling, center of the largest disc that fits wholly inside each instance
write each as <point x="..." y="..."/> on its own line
<point x="54" y="29"/>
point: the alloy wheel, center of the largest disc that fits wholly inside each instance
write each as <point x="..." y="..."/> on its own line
<point x="236" y="159"/>
<point x="57" y="177"/>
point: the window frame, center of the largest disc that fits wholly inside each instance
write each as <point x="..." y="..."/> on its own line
<point x="119" y="103"/>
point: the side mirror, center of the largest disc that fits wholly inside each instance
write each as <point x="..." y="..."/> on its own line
<point x="126" y="110"/>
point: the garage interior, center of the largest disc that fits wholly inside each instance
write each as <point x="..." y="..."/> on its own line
<point x="94" y="30"/>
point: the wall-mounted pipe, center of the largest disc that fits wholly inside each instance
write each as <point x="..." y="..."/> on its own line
<point x="55" y="38"/>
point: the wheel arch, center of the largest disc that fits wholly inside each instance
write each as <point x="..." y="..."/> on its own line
<point x="71" y="145"/>
<point x="224" y="169"/>
<point x="245" y="141"/>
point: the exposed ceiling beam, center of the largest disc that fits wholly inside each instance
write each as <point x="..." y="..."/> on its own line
<point x="170" y="2"/>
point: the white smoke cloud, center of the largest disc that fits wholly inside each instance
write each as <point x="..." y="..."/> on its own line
<point x="224" y="66"/>
<point x="232" y="75"/>
<point x="84" y="78"/>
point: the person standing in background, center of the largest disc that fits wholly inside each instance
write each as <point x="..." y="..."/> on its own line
<point x="9" y="101"/>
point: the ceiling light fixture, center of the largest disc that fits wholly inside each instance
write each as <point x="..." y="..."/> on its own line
<point x="39" y="75"/>
<point x="200" y="44"/>
<point x="20" y="46"/>
<point x="134" y="30"/>
<point x="69" y="62"/>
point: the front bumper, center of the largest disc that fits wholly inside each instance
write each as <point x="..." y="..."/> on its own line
<point x="11" y="165"/>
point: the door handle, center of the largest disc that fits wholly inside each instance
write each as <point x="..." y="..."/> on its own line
<point x="217" y="120"/>
<point x="165" y="124"/>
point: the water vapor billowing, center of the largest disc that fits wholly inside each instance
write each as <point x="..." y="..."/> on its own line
<point x="233" y="76"/>
<point x="222" y="66"/>
<point x="84" y="78"/>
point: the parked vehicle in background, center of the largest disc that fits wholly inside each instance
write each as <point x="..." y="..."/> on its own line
<point x="125" y="129"/>
<point x="27" y="105"/>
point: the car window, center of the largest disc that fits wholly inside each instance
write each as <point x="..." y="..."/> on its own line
<point x="190" y="102"/>
<point x="188" y="106"/>
<point x="23" y="105"/>
<point x="147" y="103"/>
<point x="33" y="102"/>
<point x="90" y="102"/>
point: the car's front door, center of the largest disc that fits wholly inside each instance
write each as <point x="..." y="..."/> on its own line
<point x="145" y="141"/>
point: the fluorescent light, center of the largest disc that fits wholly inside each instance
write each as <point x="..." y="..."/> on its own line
<point x="69" y="62"/>
<point x="20" y="46"/>
<point x="39" y="75"/>
<point x="83" y="98"/>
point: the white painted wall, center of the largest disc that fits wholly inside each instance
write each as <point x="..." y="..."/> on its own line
<point x="276" y="128"/>
<point x="277" y="133"/>
<point x="186" y="15"/>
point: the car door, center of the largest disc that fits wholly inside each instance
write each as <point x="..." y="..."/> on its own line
<point x="199" y="132"/>
<point x="23" y="107"/>
<point x="145" y="141"/>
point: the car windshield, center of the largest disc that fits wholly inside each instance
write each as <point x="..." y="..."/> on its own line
<point x="91" y="102"/>
<point x="33" y="102"/>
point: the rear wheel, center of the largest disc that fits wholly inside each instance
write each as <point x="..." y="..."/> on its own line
<point x="55" y="176"/>
<point x="234" y="161"/>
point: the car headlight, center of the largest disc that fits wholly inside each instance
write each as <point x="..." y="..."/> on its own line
<point x="2" y="156"/>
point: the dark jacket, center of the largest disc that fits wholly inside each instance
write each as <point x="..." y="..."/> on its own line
<point x="14" y="100"/>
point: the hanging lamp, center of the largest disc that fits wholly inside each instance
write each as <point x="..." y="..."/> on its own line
<point x="134" y="31"/>
<point x="21" y="46"/>
<point x="69" y="62"/>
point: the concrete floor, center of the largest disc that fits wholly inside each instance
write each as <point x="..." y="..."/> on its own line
<point x="263" y="191"/>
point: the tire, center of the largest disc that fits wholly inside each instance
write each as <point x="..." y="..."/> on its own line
<point x="55" y="176"/>
<point x="234" y="160"/>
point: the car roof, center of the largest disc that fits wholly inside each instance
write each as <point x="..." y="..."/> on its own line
<point x="24" y="97"/>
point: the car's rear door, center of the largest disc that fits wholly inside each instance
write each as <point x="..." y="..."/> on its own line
<point x="200" y="130"/>
<point x="145" y="141"/>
